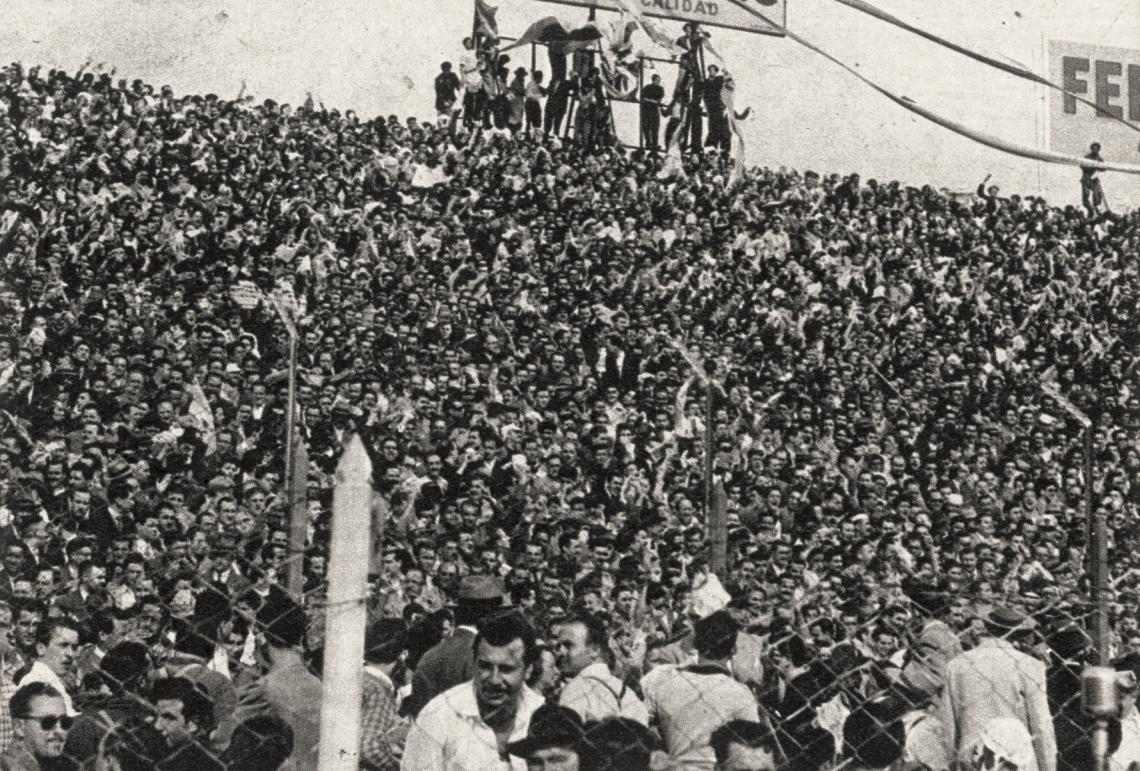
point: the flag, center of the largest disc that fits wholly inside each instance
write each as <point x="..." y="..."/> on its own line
<point x="672" y="166"/>
<point x="690" y="358"/>
<point x="728" y="98"/>
<point x="559" y="35"/>
<point x="1052" y="390"/>
<point x="284" y="301"/>
<point x="203" y="416"/>
<point x="486" y="24"/>
<point x="651" y="28"/>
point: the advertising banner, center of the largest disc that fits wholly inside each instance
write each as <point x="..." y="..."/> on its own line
<point x="1109" y="77"/>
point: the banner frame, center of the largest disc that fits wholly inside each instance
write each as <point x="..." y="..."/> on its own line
<point x="588" y="4"/>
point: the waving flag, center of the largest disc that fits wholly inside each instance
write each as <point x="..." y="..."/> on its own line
<point x="559" y="35"/>
<point x="203" y="416"/>
<point x="651" y="28"/>
<point x="485" y="22"/>
<point x="728" y="98"/>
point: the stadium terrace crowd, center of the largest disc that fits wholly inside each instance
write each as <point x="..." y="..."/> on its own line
<point x="524" y="332"/>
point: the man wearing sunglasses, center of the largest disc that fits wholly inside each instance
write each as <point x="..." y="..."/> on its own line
<point x="40" y="724"/>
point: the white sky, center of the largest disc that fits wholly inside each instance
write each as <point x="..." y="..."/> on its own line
<point x="381" y="56"/>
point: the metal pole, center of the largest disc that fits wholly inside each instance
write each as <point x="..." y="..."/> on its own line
<point x="1099" y="555"/>
<point x="718" y="531"/>
<point x="346" y="614"/>
<point x="298" y="521"/>
<point x="708" y="453"/>
<point x="640" y="109"/>
<point x="290" y="415"/>
<point x="1098" y="574"/>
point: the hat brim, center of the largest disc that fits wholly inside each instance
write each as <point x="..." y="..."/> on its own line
<point x="524" y="747"/>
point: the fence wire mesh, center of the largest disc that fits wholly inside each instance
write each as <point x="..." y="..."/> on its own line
<point x="194" y="675"/>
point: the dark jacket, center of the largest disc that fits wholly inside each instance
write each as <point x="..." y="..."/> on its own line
<point x="446" y="665"/>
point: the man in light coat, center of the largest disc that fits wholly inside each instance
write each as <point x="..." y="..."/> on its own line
<point x="996" y="680"/>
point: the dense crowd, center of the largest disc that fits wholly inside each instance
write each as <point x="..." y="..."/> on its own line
<point x="535" y="340"/>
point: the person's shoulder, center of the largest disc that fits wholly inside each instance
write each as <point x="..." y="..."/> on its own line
<point x="16" y="758"/>
<point x="455" y="700"/>
<point x="191" y="757"/>
<point x="661" y="673"/>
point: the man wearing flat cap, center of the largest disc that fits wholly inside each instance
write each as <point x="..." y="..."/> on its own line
<point x="554" y="742"/>
<point x="449" y="662"/>
<point x="996" y="680"/>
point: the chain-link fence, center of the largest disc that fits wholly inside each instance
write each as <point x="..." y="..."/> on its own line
<point x="214" y="677"/>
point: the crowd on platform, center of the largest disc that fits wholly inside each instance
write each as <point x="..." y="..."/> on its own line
<point x="535" y="340"/>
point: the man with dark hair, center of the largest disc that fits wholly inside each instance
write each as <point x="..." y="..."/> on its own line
<point x="554" y="741"/>
<point x="184" y="715"/>
<point x="449" y="663"/>
<point x="619" y="744"/>
<point x="126" y="673"/>
<point x="105" y="523"/>
<point x="742" y="745"/>
<point x="652" y="95"/>
<point x="446" y="86"/>
<point x="260" y="743"/>
<point x="191" y="658"/>
<point x="382" y="731"/>
<point x="88" y="595"/>
<point x="1092" y="194"/>
<point x="719" y="135"/>
<point x="57" y="643"/>
<point x="690" y="702"/>
<point x="592" y="691"/>
<point x="289" y="690"/>
<point x="471" y="725"/>
<point x="40" y="724"/>
<point x="29" y="614"/>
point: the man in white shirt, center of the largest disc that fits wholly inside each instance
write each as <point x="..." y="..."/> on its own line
<point x="591" y="689"/>
<point x="471" y="73"/>
<point x="469" y="727"/>
<point x="688" y="703"/>
<point x="57" y="641"/>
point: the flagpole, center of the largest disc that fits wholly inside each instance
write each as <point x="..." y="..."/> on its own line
<point x="290" y="416"/>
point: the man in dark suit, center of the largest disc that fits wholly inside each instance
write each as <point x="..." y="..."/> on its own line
<point x="451" y="662"/>
<point x="91" y="592"/>
<point x="652" y="95"/>
<point x="104" y="524"/>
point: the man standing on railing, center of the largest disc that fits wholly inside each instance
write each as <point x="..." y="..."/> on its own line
<point x="652" y="95"/>
<point x="1092" y="194"/>
<point x="471" y="71"/>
